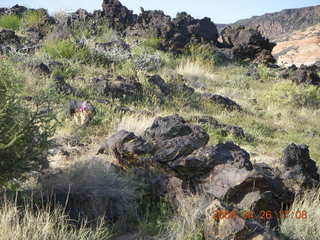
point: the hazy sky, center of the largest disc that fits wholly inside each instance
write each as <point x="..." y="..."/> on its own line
<point x="220" y="11"/>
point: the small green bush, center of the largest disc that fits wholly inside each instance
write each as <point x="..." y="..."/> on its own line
<point x="289" y="93"/>
<point x="204" y="53"/>
<point x="60" y="49"/>
<point x="24" y="133"/>
<point x="153" y="43"/>
<point x="68" y="49"/>
<point x="32" y="18"/>
<point x="11" y="22"/>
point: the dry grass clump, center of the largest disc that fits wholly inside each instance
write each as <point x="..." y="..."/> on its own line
<point x="24" y="223"/>
<point x="298" y="226"/>
<point x="195" y="72"/>
<point x="135" y="123"/>
<point x="186" y="224"/>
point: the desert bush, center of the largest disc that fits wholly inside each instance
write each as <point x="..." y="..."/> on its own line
<point x="24" y="132"/>
<point x="19" y="223"/>
<point x="299" y="226"/>
<point x="11" y="22"/>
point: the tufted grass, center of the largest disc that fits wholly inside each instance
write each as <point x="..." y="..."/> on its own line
<point x="19" y="223"/>
<point x="296" y="227"/>
<point x="185" y="224"/>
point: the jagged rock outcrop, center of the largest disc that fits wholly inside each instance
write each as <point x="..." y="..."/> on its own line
<point x="247" y="44"/>
<point x="177" y="33"/>
<point x="298" y="170"/>
<point x="174" y="138"/>
<point x="296" y="32"/>
<point x="117" y="16"/>
<point x="252" y="194"/>
<point x="286" y="21"/>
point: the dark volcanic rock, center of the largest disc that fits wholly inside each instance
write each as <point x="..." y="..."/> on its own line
<point x="203" y="160"/>
<point x="298" y="170"/>
<point x="122" y="88"/>
<point x="129" y="149"/>
<point x="160" y="83"/>
<point x="175" y="33"/>
<point x="16" y="9"/>
<point x="174" y="138"/>
<point x="117" y="15"/>
<point x="247" y="43"/>
<point x="302" y="75"/>
<point x="225" y="102"/>
<point x="193" y="30"/>
<point x="42" y="69"/>
<point x="233" y="227"/>
<point x="154" y="22"/>
<point x="8" y="37"/>
<point x="233" y="179"/>
<point x="306" y="75"/>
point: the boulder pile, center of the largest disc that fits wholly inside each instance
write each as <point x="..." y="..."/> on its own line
<point x="223" y="172"/>
<point x="245" y="43"/>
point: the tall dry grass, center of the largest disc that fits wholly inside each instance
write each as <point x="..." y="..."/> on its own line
<point x="187" y="223"/>
<point x="297" y="226"/>
<point x="18" y="223"/>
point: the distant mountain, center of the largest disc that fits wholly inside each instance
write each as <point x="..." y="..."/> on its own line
<point x="296" y="32"/>
<point x="284" y="22"/>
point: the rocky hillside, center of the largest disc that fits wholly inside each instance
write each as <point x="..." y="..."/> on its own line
<point x="117" y="126"/>
<point x="284" y="22"/>
<point x="299" y="47"/>
<point x="296" y="32"/>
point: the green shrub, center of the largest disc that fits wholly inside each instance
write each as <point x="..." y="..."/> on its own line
<point x="60" y="49"/>
<point x="11" y="22"/>
<point x="32" y="18"/>
<point x="289" y="93"/>
<point x="204" y="53"/>
<point x="153" y="43"/>
<point x="68" y="49"/>
<point x="24" y="133"/>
